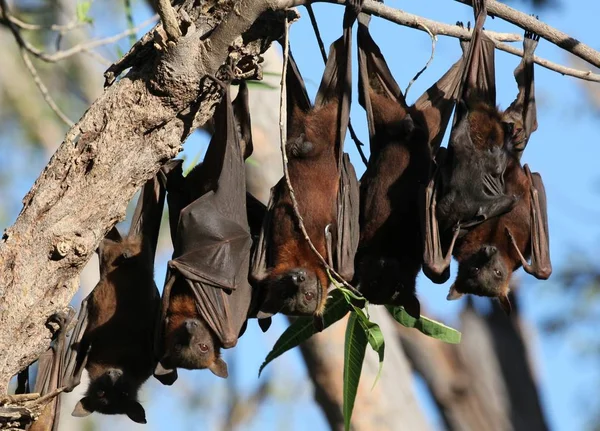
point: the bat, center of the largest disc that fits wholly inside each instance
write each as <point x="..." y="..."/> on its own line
<point x="50" y="372"/>
<point x="490" y="252"/>
<point x="207" y="296"/>
<point x="290" y="275"/>
<point x="403" y="140"/>
<point x="113" y="339"/>
<point x="468" y="187"/>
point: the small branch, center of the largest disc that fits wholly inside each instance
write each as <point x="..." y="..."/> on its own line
<point x="61" y="55"/>
<point x="168" y="19"/>
<point x="527" y="22"/>
<point x="494" y="8"/>
<point x="433" y="41"/>
<point x="406" y="19"/>
<point x="43" y="89"/>
<point x="286" y="174"/>
<point x="37" y="27"/>
<point x="563" y="70"/>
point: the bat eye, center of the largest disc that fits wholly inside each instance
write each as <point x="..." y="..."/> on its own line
<point x="475" y="269"/>
<point x="100" y="394"/>
<point x="498" y="273"/>
<point x="203" y="347"/>
<point x="309" y="296"/>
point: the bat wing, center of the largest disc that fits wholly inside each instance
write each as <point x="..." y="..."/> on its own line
<point x="478" y="81"/>
<point x="241" y="111"/>
<point x="523" y="112"/>
<point x="76" y="352"/>
<point x="213" y="236"/>
<point x="348" y="229"/>
<point x="336" y="84"/>
<point x="297" y="97"/>
<point x="435" y="106"/>
<point x="541" y="266"/>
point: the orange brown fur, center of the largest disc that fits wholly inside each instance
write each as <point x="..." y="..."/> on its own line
<point x="315" y="178"/>
<point x="486" y="126"/>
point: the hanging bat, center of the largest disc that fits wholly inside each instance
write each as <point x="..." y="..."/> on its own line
<point x="491" y="251"/>
<point x="207" y="295"/>
<point x="403" y="140"/>
<point x="113" y="339"/>
<point x="50" y="373"/>
<point x="469" y="186"/>
<point x="326" y="190"/>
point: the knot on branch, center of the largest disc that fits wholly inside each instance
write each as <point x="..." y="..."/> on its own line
<point x="61" y="249"/>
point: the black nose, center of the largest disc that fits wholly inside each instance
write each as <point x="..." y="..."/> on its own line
<point x="490" y="250"/>
<point x="191" y="324"/>
<point x="114" y="374"/>
<point x="299" y="276"/>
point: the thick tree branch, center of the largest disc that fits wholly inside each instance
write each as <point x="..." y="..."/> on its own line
<point x="121" y="141"/>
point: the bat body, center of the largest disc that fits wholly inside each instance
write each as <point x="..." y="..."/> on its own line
<point x="113" y="339"/>
<point x="326" y="190"/>
<point x="470" y="185"/>
<point x="402" y="139"/>
<point x="207" y="295"/>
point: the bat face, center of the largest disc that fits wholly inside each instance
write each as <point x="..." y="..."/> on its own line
<point x="297" y="292"/>
<point x="484" y="274"/>
<point x="191" y="344"/>
<point x="126" y="253"/>
<point x="112" y="393"/>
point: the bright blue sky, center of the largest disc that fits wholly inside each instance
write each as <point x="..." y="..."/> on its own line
<point x="564" y="150"/>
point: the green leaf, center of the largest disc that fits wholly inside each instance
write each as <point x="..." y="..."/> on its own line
<point x="354" y="354"/>
<point x="82" y="9"/>
<point x="374" y="336"/>
<point x="303" y="328"/>
<point x="262" y="84"/>
<point x="426" y="326"/>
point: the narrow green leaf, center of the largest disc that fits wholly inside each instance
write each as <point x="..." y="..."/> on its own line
<point x="374" y="336"/>
<point x="426" y="326"/>
<point x="354" y="354"/>
<point x="303" y="328"/>
<point x="262" y="84"/>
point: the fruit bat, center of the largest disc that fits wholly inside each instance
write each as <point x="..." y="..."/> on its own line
<point x="113" y="339"/>
<point x="207" y="296"/>
<point x="291" y="276"/>
<point x="403" y="140"/>
<point x="490" y="252"/>
<point x="50" y="373"/>
<point x="469" y="186"/>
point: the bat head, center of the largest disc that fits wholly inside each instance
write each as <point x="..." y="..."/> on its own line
<point x="120" y="254"/>
<point x="297" y="292"/>
<point x="192" y="345"/>
<point x="113" y="392"/>
<point x="382" y="281"/>
<point x="485" y="274"/>
<point x="488" y="129"/>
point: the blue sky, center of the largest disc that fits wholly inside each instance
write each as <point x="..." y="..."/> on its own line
<point x="564" y="150"/>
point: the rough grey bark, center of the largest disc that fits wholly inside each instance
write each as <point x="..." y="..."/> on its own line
<point x="136" y="125"/>
<point x="484" y="383"/>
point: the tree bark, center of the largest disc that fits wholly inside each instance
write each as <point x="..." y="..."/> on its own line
<point x="485" y="382"/>
<point x="135" y="126"/>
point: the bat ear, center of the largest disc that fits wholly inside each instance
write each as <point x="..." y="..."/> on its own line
<point x="505" y="304"/>
<point x="265" y="324"/>
<point x="165" y="376"/>
<point x="219" y="368"/>
<point x="453" y="293"/>
<point x="82" y="408"/>
<point x="136" y="412"/>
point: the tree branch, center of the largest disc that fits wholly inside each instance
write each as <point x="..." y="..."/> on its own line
<point x="168" y="19"/>
<point x="557" y="37"/>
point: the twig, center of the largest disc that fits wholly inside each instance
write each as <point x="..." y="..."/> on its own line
<point x="168" y="19"/>
<point x="527" y="22"/>
<point x="286" y="174"/>
<point x="43" y="89"/>
<point x="82" y="47"/>
<point x="563" y="70"/>
<point x="313" y="21"/>
<point x="36" y="78"/>
<point x="36" y="27"/>
<point x="433" y="41"/>
<point x="494" y="8"/>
